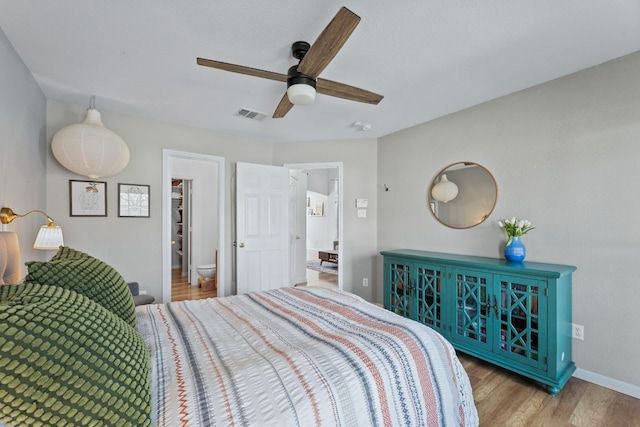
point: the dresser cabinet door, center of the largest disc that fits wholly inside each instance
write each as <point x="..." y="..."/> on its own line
<point x="429" y="301"/>
<point x="522" y="306"/>
<point x="398" y="287"/>
<point x="473" y="319"/>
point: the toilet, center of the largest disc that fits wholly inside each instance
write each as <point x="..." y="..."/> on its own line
<point x="207" y="271"/>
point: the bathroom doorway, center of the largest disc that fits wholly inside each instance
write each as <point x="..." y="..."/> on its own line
<point x="185" y="285"/>
<point x="193" y="223"/>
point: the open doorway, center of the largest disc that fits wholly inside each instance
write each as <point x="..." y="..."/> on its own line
<point x="198" y="215"/>
<point x="317" y="244"/>
<point x="323" y="242"/>
<point x="185" y="285"/>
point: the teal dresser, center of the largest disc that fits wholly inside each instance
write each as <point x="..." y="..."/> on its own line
<point x="515" y="315"/>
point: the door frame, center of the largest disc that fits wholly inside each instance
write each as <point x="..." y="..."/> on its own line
<point x="339" y="166"/>
<point x="167" y="157"/>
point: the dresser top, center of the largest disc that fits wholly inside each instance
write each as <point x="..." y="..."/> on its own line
<point x="466" y="261"/>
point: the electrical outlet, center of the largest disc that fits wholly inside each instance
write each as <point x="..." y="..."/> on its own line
<point x="143" y="292"/>
<point x="365" y="282"/>
<point x="577" y="331"/>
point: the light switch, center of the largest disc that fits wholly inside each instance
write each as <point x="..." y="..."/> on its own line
<point x="362" y="203"/>
<point x="362" y="213"/>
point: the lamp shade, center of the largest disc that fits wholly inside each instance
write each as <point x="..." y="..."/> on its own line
<point x="90" y="149"/>
<point x="444" y="190"/>
<point x="49" y="238"/>
<point x="301" y="94"/>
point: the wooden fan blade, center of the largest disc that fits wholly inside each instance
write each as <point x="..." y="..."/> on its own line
<point x="283" y="107"/>
<point x="328" y="43"/>
<point x="242" y="70"/>
<point x="341" y="90"/>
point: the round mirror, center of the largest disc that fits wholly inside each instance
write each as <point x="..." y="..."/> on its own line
<point x="463" y="195"/>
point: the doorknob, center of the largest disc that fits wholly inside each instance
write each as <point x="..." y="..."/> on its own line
<point x="241" y="245"/>
<point x="173" y="242"/>
<point x="298" y="237"/>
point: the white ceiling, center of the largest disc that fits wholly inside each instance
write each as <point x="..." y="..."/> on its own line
<point x="427" y="57"/>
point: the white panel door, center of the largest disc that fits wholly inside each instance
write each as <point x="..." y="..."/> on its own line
<point x="298" y="225"/>
<point x="262" y="227"/>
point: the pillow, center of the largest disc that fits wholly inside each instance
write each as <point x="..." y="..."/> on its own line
<point x="68" y="361"/>
<point x="65" y="252"/>
<point x="90" y="277"/>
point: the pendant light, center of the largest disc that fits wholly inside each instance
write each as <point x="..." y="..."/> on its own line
<point x="444" y="190"/>
<point x="89" y="148"/>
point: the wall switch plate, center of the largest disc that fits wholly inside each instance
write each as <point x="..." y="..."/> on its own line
<point x="365" y="282"/>
<point x="143" y="292"/>
<point x="362" y="203"/>
<point x="362" y="213"/>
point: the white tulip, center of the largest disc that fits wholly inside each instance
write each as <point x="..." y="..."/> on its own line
<point x="501" y="224"/>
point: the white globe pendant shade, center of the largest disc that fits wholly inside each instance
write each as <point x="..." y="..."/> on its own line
<point x="90" y="149"/>
<point x="444" y="190"/>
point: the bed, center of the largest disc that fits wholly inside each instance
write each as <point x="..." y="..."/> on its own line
<point x="287" y="357"/>
<point x="299" y="357"/>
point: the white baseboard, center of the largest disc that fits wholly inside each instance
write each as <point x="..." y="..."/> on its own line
<point x="610" y="383"/>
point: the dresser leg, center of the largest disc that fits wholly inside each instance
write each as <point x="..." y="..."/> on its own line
<point x="553" y="390"/>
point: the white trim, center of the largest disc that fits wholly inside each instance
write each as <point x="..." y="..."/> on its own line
<point x="610" y="383"/>
<point x="330" y="165"/>
<point x="167" y="155"/>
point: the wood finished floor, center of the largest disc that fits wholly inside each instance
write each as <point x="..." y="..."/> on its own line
<point x="507" y="399"/>
<point x="181" y="289"/>
<point x="325" y="280"/>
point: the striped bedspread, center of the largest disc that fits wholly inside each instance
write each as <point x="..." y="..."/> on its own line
<point x="299" y="357"/>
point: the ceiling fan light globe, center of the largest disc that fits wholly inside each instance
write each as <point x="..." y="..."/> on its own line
<point x="301" y="94"/>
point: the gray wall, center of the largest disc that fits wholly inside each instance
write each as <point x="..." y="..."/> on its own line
<point x="22" y="148"/>
<point x="565" y="156"/>
<point x="133" y="246"/>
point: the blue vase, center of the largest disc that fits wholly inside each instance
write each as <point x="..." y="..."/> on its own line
<point x="515" y="251"/>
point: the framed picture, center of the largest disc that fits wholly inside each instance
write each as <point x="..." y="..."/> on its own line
<point x="133" y="200"/>
<point x="87" y="198"/>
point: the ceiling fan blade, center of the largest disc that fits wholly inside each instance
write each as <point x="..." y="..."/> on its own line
<point x="242" y="69"/>
<point x="328" y="43"/>
<point x="283" y="107"/>
<point x="352" y="93"/>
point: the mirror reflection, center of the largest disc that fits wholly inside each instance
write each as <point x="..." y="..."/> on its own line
<point x="463" y="195"/>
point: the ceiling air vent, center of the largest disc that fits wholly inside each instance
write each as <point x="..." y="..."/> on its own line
<point x="250" y="114"/>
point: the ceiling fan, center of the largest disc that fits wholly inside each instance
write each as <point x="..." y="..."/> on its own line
<point x="302" y="79"/>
